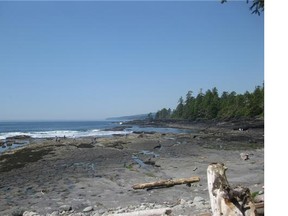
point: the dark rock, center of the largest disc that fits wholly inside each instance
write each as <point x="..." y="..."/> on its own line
<point x="9" y="143"/>
<point x="151" y="162"/>
<point x="117" y="144"/>
<point x="118" y="135"/>
<point x="142" y="132"/>
<point x="19" y="137"/>
<point x="85" y="145"/>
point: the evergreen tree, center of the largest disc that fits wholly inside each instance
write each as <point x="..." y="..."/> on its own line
<point x="256" y="105"/>
<point x="211" y="106"/>
<point x="163" y="114"/>
<point x="178" y="113"/>
<point x="188" y="109"/>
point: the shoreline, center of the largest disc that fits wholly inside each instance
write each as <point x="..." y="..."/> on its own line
<point x="46" y="175"/>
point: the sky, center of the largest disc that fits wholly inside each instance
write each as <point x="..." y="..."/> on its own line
<point x="92" y="60"/>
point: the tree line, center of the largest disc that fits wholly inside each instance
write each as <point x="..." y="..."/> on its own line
<point x="210" y="105"/>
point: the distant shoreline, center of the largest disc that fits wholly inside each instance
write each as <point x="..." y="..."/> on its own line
<point x="234" y="124"/>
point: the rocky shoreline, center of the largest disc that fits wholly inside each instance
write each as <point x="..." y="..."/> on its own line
<point x="85" y="176"/>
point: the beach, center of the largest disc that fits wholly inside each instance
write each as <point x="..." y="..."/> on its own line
<point x="88" y="176"/>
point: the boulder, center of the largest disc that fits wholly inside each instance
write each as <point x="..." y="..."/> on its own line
<point x="19" y="137"/>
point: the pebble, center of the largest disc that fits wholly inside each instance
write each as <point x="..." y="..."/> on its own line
<point x="27" y="213"/>
<point x="198" y="203"/>
<point x="55" y="213"/>
<point x="101" y="211"/>
<point x="182" y="202"/>
<point x="244" y="156"/>
<point x="88" y="209"/>
<point x="178" y="208"/>
<point x="65" y="208"/>
<point x="198" y="199"/>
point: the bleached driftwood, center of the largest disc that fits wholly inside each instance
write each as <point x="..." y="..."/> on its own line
<point x="149" y="212"/>
<point x="227" y="201"/>
<point x="166" y="183"/>
<point x="258" y="206"/>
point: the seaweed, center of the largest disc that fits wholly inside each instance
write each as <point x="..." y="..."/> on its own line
<point x="21" y="157"/>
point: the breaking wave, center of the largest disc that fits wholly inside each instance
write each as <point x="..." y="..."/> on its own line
<point x="62" y="133"/>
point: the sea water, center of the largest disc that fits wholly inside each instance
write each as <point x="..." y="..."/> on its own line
<point x="69" y="129"/>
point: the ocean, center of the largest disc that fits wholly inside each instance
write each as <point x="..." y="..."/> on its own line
<point x="73" y="129"/>
<point x="51" y="129"/>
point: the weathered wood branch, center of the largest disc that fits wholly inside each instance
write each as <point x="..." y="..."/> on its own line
<point x="166" y="183"/>
<point x="224" y="199"/>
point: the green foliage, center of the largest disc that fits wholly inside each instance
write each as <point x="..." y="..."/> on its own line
<point x="254" y="194"/>
<point x="257" y="6"/>
<point x="163" y="114"/>
<point x="179" y="112"/>
<point x="150" y="116"/>
<point x="211" y="106"/>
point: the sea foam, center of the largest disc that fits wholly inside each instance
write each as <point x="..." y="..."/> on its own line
<point x="63" y="133"/>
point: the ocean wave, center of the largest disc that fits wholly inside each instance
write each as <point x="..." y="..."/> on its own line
<point x="63" y="133"/>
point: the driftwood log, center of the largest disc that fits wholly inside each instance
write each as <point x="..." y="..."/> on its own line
<point x="166" y="183"/>
<point x="227" y="201"/>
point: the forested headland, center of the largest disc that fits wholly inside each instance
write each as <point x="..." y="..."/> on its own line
<point x="209" y="105"/>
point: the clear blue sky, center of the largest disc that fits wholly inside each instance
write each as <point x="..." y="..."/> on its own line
<point x="92" y="60"/>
